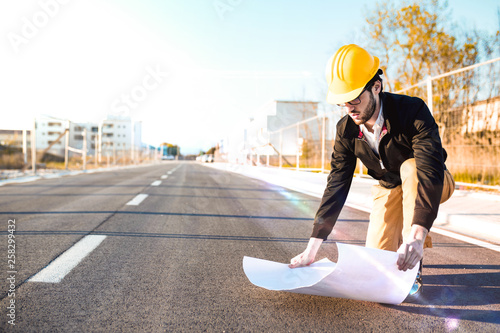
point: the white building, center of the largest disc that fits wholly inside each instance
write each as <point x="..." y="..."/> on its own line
<point x="261" y="130"/>
<point x="118" y="135"/>
<point x="48" y="130"/>
<point x="77" y="130"/>
<point x="482" y="116"/>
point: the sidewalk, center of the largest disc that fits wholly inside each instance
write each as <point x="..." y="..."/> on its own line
<point x="466" y="213"/>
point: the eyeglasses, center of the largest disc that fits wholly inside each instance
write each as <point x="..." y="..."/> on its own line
<point x="355" y="101"/>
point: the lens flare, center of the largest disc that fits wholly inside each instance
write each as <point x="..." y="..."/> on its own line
<point x="451" y="323"/>
<point x="296" y="201"/>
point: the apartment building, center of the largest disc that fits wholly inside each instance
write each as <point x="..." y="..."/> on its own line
<point x="118" y="134"/>
<point x="48" y="130"/>
<point x="274" y="116"/>
<point x="255" y="137"/>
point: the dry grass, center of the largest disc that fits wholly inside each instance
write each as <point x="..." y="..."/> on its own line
<point x="11" y="161"/>
<point x="474" y="158"/>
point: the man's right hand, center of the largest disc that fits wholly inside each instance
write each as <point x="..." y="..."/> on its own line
<point x="307" y="257"/>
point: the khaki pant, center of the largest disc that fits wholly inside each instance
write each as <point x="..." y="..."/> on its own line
<point x="393" y="209"/>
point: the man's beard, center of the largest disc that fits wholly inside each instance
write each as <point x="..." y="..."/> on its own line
<point x="366" y="114"/>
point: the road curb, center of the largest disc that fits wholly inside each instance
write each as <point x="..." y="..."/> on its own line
<point x="64" y="173"/>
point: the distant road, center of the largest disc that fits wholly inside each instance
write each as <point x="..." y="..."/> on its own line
<point x="160" y="249"/>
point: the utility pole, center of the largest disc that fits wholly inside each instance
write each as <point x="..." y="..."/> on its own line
<point x="25" y="147"/>
<point x="429" y="94"/>
<point x="298" y="149"/>
<point x="323" y="139"/>
<point x="95" y="148"/>
<point x="132" y="146"/>
<point x="84" y="149"/>
<point x="99" y="143"/>
<point x="33" y="148"/>
<point x="66" y="148"/>
<point x="281" y="149"/>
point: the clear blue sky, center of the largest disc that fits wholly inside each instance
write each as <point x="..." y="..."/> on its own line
<point x="196" y="67"/>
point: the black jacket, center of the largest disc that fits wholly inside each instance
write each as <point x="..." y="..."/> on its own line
<point x="409" y="131"/>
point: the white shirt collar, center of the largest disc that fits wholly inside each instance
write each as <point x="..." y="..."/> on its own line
<point x="373" y="139"/>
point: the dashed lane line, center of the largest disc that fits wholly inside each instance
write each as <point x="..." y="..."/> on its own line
<point x="62" y="265"/>
<point x="137" y="200"/>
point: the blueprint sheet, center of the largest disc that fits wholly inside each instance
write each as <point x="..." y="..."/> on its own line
<point x="361" y="274"/>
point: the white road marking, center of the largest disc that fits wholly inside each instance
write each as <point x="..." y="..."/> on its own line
<point x="137" y="200"/>
<point x="156" y="183"/>
<point x="466" y="239"/>
<point x="62" y="265"/>
<point x="164" y="177"/>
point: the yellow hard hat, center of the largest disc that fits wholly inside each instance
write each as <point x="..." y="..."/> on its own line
<point x="347" y="73"/>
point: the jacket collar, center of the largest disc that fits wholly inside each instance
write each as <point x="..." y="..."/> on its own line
<point x="387" y="111"/>
<point x="382" y="132"/>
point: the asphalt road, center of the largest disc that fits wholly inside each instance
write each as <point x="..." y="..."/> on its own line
<point x="173" y="262"/>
